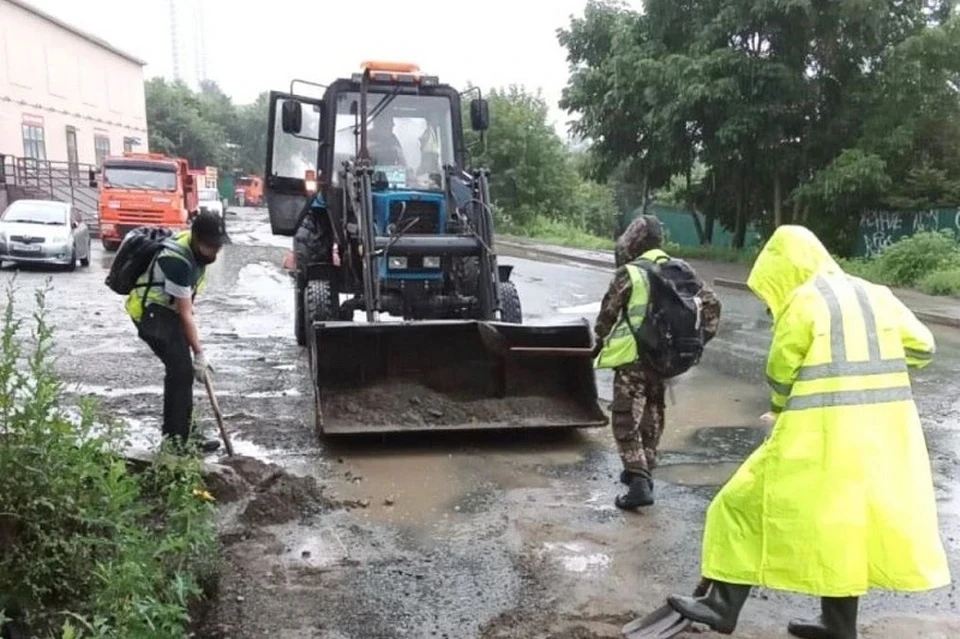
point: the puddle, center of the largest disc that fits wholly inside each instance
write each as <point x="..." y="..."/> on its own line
<point x="696" y="474"/>
<point x="290" y="392"/>
<point x="410" y="489"/>
<point x="591" y="308"/>
<point x="573" y="558"/>
<point x="730" y="441"/>
<point x="108" y="391"/>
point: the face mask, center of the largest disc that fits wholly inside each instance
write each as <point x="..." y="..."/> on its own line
<point x="202" y="259"/>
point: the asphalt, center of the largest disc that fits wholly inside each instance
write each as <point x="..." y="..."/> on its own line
<point x="470" y="535"/>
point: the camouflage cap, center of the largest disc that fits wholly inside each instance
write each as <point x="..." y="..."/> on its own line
<point x="643" y="234"/>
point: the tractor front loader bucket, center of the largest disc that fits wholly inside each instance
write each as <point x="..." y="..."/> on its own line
<point x="452" y="375"/>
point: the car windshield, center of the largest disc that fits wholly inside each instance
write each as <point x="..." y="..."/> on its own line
<point x="409" y="137"/>
<point x="36" y="213"/>
<point x="209" y="194"/>
<point x="147" y="179"/>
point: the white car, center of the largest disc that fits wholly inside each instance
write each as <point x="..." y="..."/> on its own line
<point x="210" y="201"/>
<point x="45" y="232"/>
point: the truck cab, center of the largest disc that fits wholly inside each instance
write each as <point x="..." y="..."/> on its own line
<point x="143" y="189"/>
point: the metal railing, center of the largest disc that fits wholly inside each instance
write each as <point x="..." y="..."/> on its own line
<point x="46" y="179"/>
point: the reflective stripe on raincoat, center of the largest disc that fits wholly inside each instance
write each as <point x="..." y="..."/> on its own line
<point x="839" y="499"/>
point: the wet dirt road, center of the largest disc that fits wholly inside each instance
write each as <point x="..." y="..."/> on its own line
<point x="486" y="535"/>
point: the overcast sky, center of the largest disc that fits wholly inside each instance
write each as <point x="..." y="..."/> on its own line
<point x="257" y="46"/>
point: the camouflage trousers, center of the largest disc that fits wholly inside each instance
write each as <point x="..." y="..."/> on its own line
<point x="637" y="416"/>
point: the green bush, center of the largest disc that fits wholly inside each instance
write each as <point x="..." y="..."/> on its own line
<point x="911" y="259"/>
<point x="88" y="549"/>
<point x="945" y="282"/>
<point x="928" y="261"/>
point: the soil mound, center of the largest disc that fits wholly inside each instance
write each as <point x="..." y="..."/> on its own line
<point x="283" y="498"/>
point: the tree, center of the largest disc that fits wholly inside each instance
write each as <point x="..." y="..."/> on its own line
<point x="776" y="99"/>
<point x="532" y="171"/>
<point x="207" y="128"/>
<point x="178" y="127"/>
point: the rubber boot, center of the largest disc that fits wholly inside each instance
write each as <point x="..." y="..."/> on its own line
<point x="837" y="620"/>
<point x="639" y="492"/>
<point x="719" y="608"/>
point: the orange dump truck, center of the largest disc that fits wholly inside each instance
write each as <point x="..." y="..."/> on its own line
<point x="143" y="189"/>
<point x="248" y="191"/>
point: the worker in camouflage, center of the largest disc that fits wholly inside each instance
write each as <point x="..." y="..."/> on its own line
<point x="636" y="386"/>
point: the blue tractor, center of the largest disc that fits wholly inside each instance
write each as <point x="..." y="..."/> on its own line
<point x="369" y="178"/>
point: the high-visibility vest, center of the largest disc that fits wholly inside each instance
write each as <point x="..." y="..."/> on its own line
<point x="142" y="296"/>
<point x="620" y="347"/>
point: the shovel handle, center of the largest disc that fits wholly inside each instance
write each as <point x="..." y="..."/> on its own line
<point x="217" y="414"/>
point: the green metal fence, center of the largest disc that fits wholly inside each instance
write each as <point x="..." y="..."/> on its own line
<point x="680" y="229"/>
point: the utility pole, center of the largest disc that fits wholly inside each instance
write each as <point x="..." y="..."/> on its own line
<point x="175" y="41"/>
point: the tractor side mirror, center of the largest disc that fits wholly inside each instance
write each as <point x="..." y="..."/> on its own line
<point x="92" y="178"/>
<point x="188" y="181"/>
<point x="479" y="114"/>
<point x="291" y="116"/>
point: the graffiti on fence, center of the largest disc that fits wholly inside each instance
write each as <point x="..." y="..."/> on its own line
<point x="880" y="229"/>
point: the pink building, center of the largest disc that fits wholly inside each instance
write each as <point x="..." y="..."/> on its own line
<point x="65" y="95"/>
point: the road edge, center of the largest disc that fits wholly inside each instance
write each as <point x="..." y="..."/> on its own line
<point x="537" y="250"/>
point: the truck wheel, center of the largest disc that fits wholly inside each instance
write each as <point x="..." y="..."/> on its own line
<point x="510" y="303"/>
<point x="110" y="246"/>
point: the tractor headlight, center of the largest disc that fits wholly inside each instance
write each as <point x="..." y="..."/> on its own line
<point x="431" y="262"/>
<point x="397" y="263"/>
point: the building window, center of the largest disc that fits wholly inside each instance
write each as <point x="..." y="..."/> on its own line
<point x="128" y="144"/>
<point x="34" y="146"/>
<point x="101" y="146"/>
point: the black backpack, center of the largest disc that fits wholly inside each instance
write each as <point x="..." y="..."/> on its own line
<point x="671" y="337"/>
<point x="135" y="256"/>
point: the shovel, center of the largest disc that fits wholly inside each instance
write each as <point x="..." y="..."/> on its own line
<point x="664" y="622"/>
<point x="216" y="413"/>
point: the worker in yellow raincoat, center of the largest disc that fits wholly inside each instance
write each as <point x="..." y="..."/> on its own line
<point x="839" y="499"/>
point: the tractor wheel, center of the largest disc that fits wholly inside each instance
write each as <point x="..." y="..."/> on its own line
<point x="510" y="303"/>
<point x="298" y="317"/>
<point x="318" y="306"/>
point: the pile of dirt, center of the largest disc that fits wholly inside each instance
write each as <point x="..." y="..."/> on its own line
<point x="282" y="498"/>
<point x="407" y="403"/>
<point x="251" y="469"/>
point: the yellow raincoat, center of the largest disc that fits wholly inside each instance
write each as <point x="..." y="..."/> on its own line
<point x="839" y="499"/>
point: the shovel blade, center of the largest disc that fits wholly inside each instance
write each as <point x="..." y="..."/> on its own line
<point x="662" y="623"/>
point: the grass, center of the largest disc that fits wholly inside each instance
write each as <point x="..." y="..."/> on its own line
<point x="87" y="548"/>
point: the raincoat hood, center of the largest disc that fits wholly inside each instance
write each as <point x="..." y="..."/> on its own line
<point x="791" y="256"/>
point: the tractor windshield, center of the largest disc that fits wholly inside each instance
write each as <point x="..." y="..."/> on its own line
<point x="409" y="137"/>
